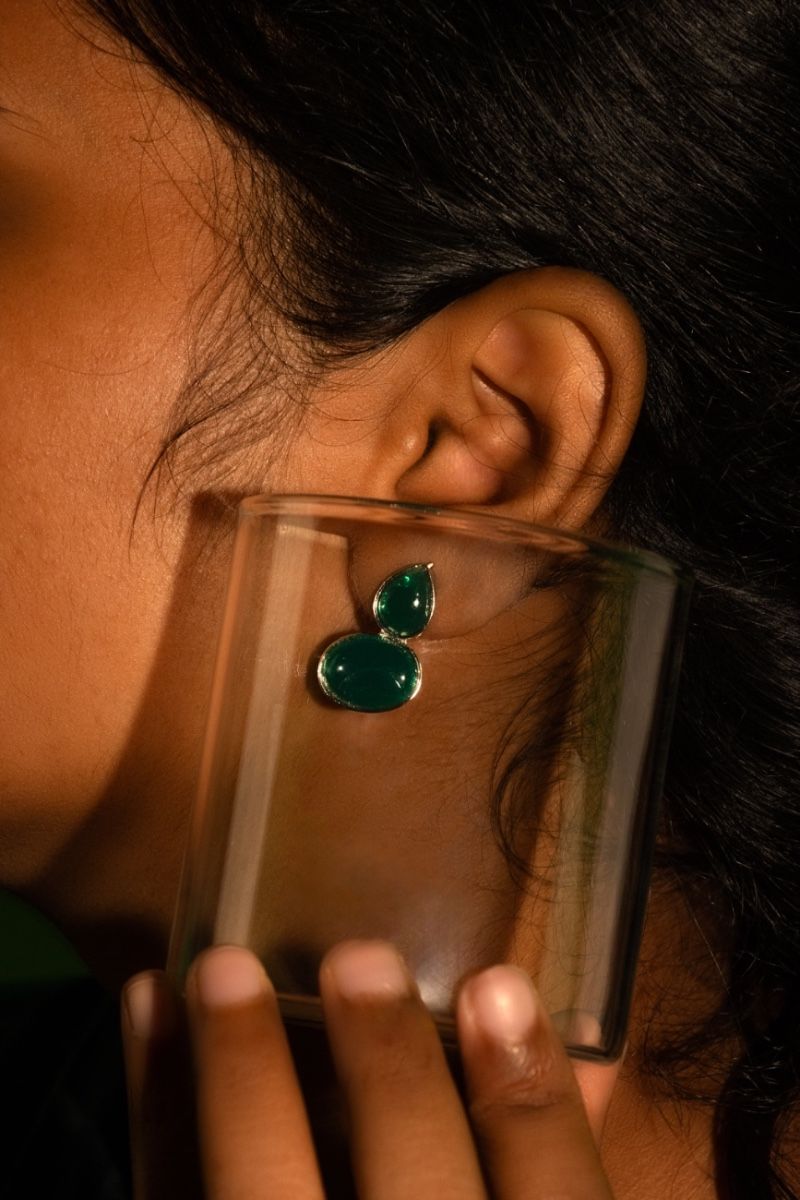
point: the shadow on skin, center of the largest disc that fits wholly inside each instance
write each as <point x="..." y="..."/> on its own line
<point x="123" y="863"/>
<point x="132" y="844"/>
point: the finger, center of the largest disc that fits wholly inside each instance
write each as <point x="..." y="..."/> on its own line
<point x="255" y="1142"/>
<point x="596" y="1083"/>
<point x="525" y="1104"/>
<point x="409" y="1132"/>
<point x="596" y="1079"/>
<point x="160" y="1097"/>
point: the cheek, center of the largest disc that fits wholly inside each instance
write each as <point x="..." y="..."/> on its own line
<point x="79" y="615"/>
<point x="82" y="602"/>
<point x="106" y="649"/>
<point x="100" y="257"/>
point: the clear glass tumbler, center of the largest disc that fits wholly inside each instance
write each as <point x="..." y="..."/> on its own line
<point x="440" y="728"/>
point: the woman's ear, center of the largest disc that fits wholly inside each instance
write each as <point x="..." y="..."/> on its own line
<point x="520" y="398"/>
<point x="532" y="407"/>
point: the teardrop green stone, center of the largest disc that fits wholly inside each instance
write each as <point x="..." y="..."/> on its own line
<point x="404" y="602"/>
<point x="369" y="673"/>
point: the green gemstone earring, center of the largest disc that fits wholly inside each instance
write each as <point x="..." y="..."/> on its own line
<point x="376" y="672"/>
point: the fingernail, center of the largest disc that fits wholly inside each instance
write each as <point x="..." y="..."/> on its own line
<point x="148" y="1006"/>
<point x="502" y="1004"/>
<point x="228" y="975"/>
<point x="368" y="970"/>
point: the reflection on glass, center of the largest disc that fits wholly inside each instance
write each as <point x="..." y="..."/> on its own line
<point x="503" y="809"/>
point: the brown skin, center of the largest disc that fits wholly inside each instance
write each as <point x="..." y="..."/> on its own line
<point x="108" y="234"/>
<point x="410" y="1132"/>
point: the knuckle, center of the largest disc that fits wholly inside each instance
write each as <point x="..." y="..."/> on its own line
<point x="234" y="1078"/>
<point x="396" y="1062"/>
<point x="512" y="1104"/>
<point x="534" y="1089"/>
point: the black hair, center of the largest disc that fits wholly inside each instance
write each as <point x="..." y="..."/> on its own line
<point x="422" y="148"/>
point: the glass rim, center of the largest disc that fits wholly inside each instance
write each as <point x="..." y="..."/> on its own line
<point x="500" y="527"/>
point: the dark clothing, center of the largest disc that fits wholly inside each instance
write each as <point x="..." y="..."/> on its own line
<point x="64" y="1123"/>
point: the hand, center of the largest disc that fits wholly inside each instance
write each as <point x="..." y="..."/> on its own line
<point x="530" y="1129"/>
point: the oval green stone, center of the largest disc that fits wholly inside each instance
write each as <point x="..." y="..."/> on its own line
<point x="369" y="673"/>
<point x="404" y="602"/>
